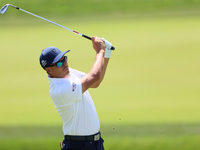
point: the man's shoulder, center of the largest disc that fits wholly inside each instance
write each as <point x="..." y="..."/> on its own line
<point x="76" y="72"/>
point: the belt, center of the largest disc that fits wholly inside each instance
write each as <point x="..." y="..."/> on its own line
<point x="94" y="137"/>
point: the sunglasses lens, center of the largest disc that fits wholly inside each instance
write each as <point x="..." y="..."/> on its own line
<point x="59" y="64"/>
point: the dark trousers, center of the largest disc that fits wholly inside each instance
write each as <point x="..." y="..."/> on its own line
<point x="82" y="145"/>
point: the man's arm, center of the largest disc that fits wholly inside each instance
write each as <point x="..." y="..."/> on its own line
<point x="95" y="73"/>
<point x="107" y="56"/>
<point x="97" y="83"/>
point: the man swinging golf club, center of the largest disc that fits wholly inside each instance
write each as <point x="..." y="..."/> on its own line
<point x="69" y="92"/>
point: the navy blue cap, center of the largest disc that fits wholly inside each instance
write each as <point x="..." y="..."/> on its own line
<point x="50" y="55"/>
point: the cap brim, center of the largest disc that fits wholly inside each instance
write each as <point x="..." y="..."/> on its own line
<point x="59" y="56"/>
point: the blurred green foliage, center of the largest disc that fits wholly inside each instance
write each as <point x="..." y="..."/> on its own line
<point x="91" y="7"/>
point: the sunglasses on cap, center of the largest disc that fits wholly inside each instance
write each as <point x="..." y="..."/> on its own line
<point x="60" y="63"/>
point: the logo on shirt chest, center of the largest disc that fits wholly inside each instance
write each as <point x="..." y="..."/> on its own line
<point x="73" y="87"/>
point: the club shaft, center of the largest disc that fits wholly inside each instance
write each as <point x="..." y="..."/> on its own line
<point x="50" y="21"/>
<point x="85" y="36"/>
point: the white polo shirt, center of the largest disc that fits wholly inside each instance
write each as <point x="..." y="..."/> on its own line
<point x="77" y="110"/>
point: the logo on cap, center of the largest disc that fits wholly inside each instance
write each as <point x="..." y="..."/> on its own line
<point x="54" y="50"/>
<point x="44" y="62"/>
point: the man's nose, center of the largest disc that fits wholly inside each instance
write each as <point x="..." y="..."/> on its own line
<point x="65" y="63"/>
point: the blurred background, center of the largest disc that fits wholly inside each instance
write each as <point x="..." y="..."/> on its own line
<point x="149" y="99"/>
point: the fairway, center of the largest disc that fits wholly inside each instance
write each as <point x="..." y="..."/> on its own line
<point x="152" y="82"/>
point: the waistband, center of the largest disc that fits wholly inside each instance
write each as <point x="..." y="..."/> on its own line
<point x="94" y="137"/>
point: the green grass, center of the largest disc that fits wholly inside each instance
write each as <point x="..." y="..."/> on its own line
<point x="141" y="137"/>
<point x="148" y="100"/>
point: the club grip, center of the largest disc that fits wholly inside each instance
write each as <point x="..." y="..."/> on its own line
<point x="89" y="38"/>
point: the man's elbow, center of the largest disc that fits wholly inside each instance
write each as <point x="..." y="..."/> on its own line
<point x="97" y="81"/>
<point x="96" y="84"/>
<point x="97" y="76"/>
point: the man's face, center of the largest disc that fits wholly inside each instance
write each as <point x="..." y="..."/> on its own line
<point x="59" y="69"/>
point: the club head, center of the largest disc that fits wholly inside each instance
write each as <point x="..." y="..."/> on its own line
<point x="4" y="8"/>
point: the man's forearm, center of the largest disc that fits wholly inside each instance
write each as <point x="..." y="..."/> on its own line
<point x="95" y="73"/>
<point x="97" y="83"/>
<point x="98" y="65"/>
<point x="106" y="60"/>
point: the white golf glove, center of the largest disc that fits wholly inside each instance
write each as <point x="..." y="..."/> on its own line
<point x="108" y="50"/>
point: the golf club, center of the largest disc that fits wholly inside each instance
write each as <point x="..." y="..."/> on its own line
<point x="5" y="7"/>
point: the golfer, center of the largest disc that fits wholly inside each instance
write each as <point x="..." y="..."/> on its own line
<point x="69" y="92"/>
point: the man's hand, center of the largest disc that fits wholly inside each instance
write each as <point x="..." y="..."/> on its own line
<point x="98" y="44"/>
<point x="108" y="50"/>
